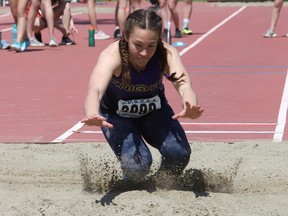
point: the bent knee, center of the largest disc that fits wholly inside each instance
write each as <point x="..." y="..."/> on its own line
<point x="136" y="167"/>
<point x="179" y="155"/>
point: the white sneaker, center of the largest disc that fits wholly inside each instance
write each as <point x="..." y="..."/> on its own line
<point x="100" y="35"/>
<point x="53" y="42"/>
<point x="269" y="34"/>
<point x="35" y="43"/>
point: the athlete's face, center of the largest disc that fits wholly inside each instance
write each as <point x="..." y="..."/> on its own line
<point x="142" y="46"/>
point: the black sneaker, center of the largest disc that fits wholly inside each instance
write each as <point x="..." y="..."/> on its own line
<point x="178" y="33"/>
<point x="117" y="33"/>
<point x="38" y="36"/>
<point x="66" y="41"/>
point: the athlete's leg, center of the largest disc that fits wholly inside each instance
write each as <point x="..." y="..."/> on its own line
<point x="168" y="136"/>
<point x="127" y="144"/>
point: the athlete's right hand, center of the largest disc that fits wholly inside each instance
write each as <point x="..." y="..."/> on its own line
<point x="96" y="120"/>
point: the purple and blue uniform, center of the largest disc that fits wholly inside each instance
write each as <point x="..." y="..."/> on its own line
<point x="142" y="96"/>
<point x="140" y="110"/>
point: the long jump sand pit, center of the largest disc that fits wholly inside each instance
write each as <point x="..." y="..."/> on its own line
<point x="245" y="178"/>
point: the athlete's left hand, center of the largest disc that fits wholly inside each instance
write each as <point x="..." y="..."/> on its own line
<point x="96" y="120"/>
<point x="189" y="111"/>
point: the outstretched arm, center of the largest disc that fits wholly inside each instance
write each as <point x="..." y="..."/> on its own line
<point x="191" y="109"/>
<point x="99" y="80"/>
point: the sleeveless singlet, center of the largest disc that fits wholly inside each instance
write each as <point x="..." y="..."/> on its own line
<point x="144" y="94"/>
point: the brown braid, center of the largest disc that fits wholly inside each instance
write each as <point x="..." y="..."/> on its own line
<point x="124" y="53"/>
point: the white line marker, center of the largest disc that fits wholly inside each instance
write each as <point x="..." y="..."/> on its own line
<point x="7" y="29"/>
<point x="68" y="133"/>
<point x="77" y="13"/>
<point x="197" y="132"/>
<point x="5" y="15"/>
<point x="229" y="132"/>
<point x="282" y="115"/>
<point x="230" y="123"/>
<point x="88" y="132"/>
<point x="210" y="31"/>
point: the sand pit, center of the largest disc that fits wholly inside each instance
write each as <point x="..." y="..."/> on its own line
<point x="248" y="178"/>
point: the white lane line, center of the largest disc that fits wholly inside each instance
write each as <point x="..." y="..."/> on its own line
<point x="208" y="124"/>
<point x="78" y="126"/>
<point x="77" y="13"/>
<point x="282" y="115"/>
<point x="195" y="132"/>
<point x="68" y="133"/>
<point x="229" y="132"/>
<point x="5" y="30"/>
<point x="211" y="31"/>
<point x="5" y="15"/>
<point x="87" y="132"/>
<point x="230" y="123"/>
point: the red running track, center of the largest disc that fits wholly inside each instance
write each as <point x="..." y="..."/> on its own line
<point x="240" y="78"/>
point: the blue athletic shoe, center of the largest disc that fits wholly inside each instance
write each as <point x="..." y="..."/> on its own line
<point x="4" y="44"/>
<point x="16" y="46"/>
<point x="24" y="45"/>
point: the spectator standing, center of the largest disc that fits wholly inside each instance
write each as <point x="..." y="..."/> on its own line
<point x="120" y="14"/>
<point x="99" y="35"/>
<point x="188" y="6"/>
<point x="270" y="33"/>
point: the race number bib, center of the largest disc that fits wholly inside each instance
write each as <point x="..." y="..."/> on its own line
<point x="138" y="107"/>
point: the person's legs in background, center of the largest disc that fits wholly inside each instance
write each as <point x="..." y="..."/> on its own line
<point x="49" y="17"/>
<point x="22" y="42"/>
<point x="13" y="9"/>
<point x="63" y="9"/>
<point x="120" y="17"/>
<point x="99" y="35"/>
<point x="187" y="15"/>
<point x="134" y="5"/>
<point x="274" y="19"/>
<point x="174" y="16"/>
<point x="32" y="14"/>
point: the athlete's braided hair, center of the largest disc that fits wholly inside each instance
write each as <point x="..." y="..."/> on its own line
<point x="144" y="19"/>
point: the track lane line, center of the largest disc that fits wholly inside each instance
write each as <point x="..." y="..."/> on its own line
<point x="230" y="123"/>
<point x="68" y="133"/>
<point x="211" y="31"/>
<point x="282" y="115"/>
<point x="5" y="15"/>
<point x="193" y="132"/>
